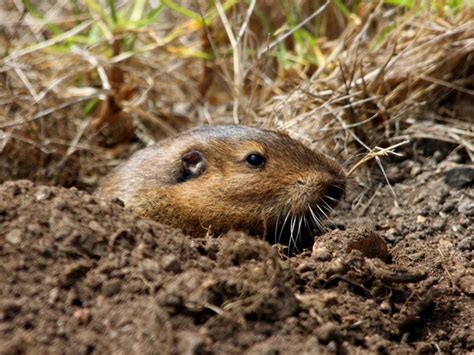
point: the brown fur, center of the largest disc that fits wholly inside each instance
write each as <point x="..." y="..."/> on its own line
<point x="229" y="194"/>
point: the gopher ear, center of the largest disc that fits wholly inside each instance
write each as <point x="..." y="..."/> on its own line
<point x="194" y="165"/>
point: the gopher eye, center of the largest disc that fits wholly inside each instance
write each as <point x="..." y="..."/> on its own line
<point x="255" y="160"/>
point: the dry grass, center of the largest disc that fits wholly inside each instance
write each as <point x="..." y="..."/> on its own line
<point x="415" y="83"/>
<point x="70" y="110"/>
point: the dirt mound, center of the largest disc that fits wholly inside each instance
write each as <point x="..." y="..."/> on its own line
<point x="81" y="275"/>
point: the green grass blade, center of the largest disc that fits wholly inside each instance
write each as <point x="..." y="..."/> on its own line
<point x="35" y="12"/>
<point x="137" y="10"/>
<point x="182" y="10"/>
<point x="343" y="8"/>
<point x="403" y="3"/>
<point x="113" y="11"/>
<point x="154" y="12"/>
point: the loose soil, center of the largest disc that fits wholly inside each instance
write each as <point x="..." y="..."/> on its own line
<point x="80" y="275"/>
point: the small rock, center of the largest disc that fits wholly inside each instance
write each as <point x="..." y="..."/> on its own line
<point x="83" y="316"/>
<point x="304" y="267"/>
<point x="111" y="287"/>
<point x="34" y="228"/>
<point x="391" y="235"/>
<point x="395" y="175"/>
<point x="466" y="244"/>
<point x="43" y="193"/>
<point x="89" y="199"/>
<point x="395" y="211"/>
<point x="53" y="296"/>
<point x="385" y="307"/>
<point x="466" y="284"/>
<point x="328" y="332"/>
<point x="434" y="207"/>
<point x="150" y="269"/>
<point x="455" y="158"/>
<point x="448" y="207"/>
<point x="171" y="263"/>
<point x="321" y="254"/>
<point x="61" y="205"/>
<point x="420" y="219"/>
<point x="438" y="224"/>
<point x="61" y="229"/>
<point x="459" y="177"/>
<point x="466" y="207"/>
<point x="417" y="256"/>
<point x="14" y="236"/>
<point x="438" y="156"/>
<point x="415" y="170"/>
<point x="456" y="228"/>
<point x="96" y="227"/>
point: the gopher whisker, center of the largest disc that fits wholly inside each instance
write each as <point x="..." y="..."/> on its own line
<point x="330" y="209"/>
<point x="315" y="218"/>
<point x="275" y="233"/>
<point x="283" y="227"/>
<point x="322" y="211"/>
<point x="292" y="230"/>
<point x="331" y="198"/>
<point x="298" y="233"/>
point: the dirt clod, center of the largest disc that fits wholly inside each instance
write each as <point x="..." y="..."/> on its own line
<point x="77" y="270"/>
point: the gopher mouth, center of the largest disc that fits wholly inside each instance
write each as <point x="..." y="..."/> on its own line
<point x="297" y="230"/>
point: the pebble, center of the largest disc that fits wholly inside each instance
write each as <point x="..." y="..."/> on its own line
<point x="43" y="193"/>
<point x="111" y="287"/>
<point x="327" y="332"/>
<point x="53" y="296"/>
<point x="466" y="244"/>
<point x="150" y="269"/>
<point x="420" y="219"/>
<point x="438" y="224"/>
<point x="448" y="207"/>
<point x="304" y="267"/>
<point x="417" y="256"/>
<point x="438" y="156"/>
<point x="14" y="236"/>
<point x="415" y="170"/>
<point x="385" y="307"/>
<point x="395" y="211"/>
<point x="34" y="228"/>
<point x="83" y="316"/>
<point x="466" y="207"/>
<point x="455" y="158"/>
<point x="96" y="227"/>
<point x="321" y="254"/>
<point x="61" y="205"/>
<point x="391" y="236"/>
<point x="171" y="263"/>
<point x="89" y="199"/>
<point x="466" y="284"/>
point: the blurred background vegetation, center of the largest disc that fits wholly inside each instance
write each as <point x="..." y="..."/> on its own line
<point x="83" y="84"/>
